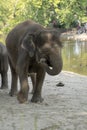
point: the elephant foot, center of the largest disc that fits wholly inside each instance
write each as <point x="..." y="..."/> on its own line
<point x="12" y="93"/>
<point x="37" y="99"/>
<point x="4" y="86"/>
<point x="22" y="97"/>
<point x="32" y="92"/>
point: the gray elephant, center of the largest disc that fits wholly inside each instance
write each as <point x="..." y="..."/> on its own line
<point x="3" y="66"/>
<point x="32" y="49"/>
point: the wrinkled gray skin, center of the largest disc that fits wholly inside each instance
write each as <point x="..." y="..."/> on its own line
<point x="32" y="49"/>
<point x="3" y="66"/>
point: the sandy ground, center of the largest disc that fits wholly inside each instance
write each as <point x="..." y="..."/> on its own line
<point x="63" y="108"/>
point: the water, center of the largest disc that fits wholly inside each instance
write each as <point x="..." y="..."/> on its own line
<point x="75" y="56"/>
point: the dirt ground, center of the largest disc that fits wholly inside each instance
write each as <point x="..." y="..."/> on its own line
<point x="63" y="108"/>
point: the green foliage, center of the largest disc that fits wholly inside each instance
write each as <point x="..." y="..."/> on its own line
<point x="42" y="11"/>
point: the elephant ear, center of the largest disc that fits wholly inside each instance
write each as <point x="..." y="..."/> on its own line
<point x="28" y="44"/>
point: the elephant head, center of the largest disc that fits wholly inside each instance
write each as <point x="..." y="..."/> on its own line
<point x="45" y="45"/>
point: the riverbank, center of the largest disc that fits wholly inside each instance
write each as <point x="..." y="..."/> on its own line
<point x="72" y="35"/>
<point x="63" y="108"/>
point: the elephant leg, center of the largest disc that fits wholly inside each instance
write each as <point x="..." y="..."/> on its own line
<point x="22" y="70"/>
<point x="13" y="90"/>
<point x="23" y="93"/>
<point x="4" y="80"/>
<point x="39" y="82"/>
<point x="33" y="79"/>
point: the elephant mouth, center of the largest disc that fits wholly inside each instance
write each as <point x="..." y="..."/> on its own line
<point x="52" y="65"/>
<point x="47" y="62"/>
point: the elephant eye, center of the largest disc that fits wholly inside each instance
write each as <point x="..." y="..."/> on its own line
<point x="54" y="45"/>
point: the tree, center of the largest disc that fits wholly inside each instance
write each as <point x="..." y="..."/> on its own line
<point x="42" y="11"/>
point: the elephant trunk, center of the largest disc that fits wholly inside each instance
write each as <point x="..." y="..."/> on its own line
<point x="56" y="65"/>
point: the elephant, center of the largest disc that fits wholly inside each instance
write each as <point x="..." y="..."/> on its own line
<point x="3" y="66"/>
<point x="32" y="50"/>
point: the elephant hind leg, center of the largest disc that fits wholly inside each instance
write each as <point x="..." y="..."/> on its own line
<point x="13" y="90"/>
<point x="4" y="80"/>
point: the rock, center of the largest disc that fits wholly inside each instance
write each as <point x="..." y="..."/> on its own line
<point x="60" y="84"/>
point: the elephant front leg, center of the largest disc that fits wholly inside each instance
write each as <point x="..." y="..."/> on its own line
<point x="33" y="79"/>
<point x="23" y="93"/>
<point x="39" y="82"/>
<point x="22" y="70"/>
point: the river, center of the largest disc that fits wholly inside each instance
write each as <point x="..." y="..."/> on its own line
<point x="75" y="56"/>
